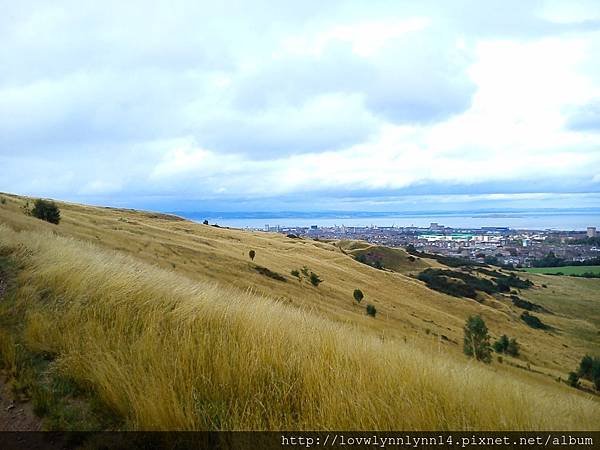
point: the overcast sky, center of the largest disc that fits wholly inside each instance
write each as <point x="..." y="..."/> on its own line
<point x="237" y="105"/>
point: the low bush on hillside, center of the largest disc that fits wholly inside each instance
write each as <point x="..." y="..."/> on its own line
<point x="525" y="304"/>
<point x="437" y="280"/>
<point x="533" y="321"/>
<point x="371" y="310"/>
<point x="314" y="279"/>
<point x="46" y="210"/>
<point x="589" y="369"/>
<point x="443" y="280"/>
<point x="506" y="345"/>
<point x="306" y="274"/>
<point x="573" y="380"/>
<point x="505" y="282"/>
<point x="269" y="273"/>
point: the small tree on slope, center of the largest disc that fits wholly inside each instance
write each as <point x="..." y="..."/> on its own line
<point x="358" y="295"/>
<point x="477" y="340"/>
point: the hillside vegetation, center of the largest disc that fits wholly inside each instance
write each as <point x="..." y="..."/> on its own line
<point x="171" y="326"/>
<point x="566" y="270"/>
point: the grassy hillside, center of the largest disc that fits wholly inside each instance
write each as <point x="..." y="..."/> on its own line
<point x="158" y="316"/>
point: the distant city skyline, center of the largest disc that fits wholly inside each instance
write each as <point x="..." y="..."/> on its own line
<point x="306" y="106"/>
<point x="569" y="219"/>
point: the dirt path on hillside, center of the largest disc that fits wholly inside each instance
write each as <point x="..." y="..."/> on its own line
<point x="14" y="415"/>
<point x="3" y="285"/>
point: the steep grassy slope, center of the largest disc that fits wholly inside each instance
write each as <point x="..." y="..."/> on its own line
<point x="166" y="352"/>
<point x="408" y="311"/>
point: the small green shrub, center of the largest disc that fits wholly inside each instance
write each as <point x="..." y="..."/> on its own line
<point x="506" y="345"/>
<point x="501" y="344"/>
<point x="295" y="273"/>
<point x="573" y="380"/>
<point x="513" y="347"/>
<point x="46" y="210"/>
<point x="252" y="254"/>
<point x="589" y="368"/>
<point x="3" y="200"/>
<point x="585" y="366"/>
<point x="371" y="310"/>
<point x="314" y="279"/>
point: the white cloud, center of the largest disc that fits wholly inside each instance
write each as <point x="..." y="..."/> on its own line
<point x="366" y="38"/>
<point x="214" y="100"/>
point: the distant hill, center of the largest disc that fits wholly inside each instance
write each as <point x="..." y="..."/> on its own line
<point x="378" y="256"/>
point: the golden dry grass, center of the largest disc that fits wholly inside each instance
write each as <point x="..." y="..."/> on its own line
<point x="203" y="262"/>
<point x="407" y="310"/>
<point x="170" y="353"/>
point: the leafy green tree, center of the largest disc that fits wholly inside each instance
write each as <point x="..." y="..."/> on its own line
<point x="46" y="210"/>
<point x="358" y="295"/>
<point x="477" y="340"/>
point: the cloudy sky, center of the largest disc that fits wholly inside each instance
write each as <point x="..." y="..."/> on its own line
<point x="241" y="105"/>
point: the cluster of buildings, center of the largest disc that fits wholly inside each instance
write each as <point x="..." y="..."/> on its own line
<point x="495" y="245"/>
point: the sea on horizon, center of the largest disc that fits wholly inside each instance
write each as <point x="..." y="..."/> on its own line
<point x="576" y="221"/>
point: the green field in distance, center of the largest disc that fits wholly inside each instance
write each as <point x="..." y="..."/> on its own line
<point x="567" y="270"/>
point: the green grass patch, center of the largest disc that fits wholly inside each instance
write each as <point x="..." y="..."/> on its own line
<point x="566" y="270"/>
